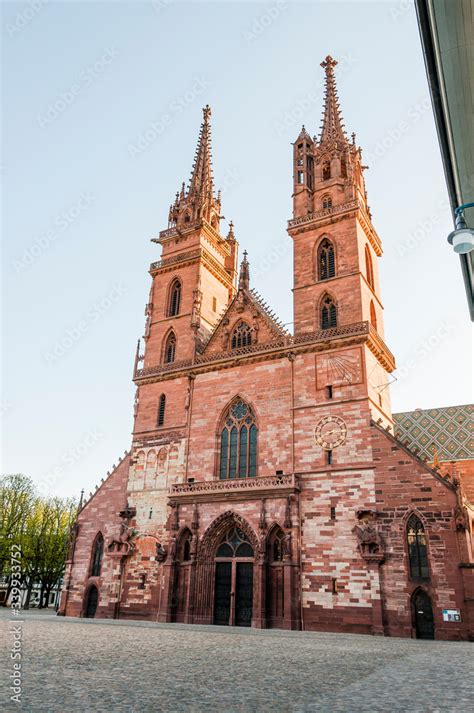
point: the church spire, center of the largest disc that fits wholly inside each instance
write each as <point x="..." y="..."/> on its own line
<point x="332" y="129"/>
<point x="198" y="202"/>
<point x="201" y="183"/>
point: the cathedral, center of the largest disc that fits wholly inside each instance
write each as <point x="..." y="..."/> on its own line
<point x="267" y="484"/>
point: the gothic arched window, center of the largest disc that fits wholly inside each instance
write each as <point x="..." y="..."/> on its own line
<point x="328" y="313"/>
<point x="235" y="543"/>
<point x="417" y="549"/>
<point x="97" y="554"/>
<point x="161" y="410"/>
<point x="326" y="171"/>
<point x="174" y="298"/>
<point x="369" y="270"/>
<point x="373" y="316"/>
<point x="241" y="336"/>
<point x="327" y="202"/>
<point x="238" y="448"/>
<point x="170" y="348"/>
<point x="326" y="261"/>
<point x="343" y="167"/>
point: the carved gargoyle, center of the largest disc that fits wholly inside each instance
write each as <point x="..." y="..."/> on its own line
<point x="460" y="518"/>
<point x="161" y="552"/>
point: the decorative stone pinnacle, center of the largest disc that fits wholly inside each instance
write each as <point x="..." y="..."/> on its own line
<point x="332" y="129"/>
<point x="244" y="277"/>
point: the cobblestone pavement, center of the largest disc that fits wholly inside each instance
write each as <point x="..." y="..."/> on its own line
<point x="104" y="665"/>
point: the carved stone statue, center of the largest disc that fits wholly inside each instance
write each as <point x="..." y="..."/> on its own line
<point x="121" y="542"/>
<point x="161" y="552"/>
<point x="286" y="545"/>
<point x="370" y="542"/>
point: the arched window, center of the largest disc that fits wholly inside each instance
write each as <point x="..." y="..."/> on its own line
<point x="373" y="316"/>
<point x="174" y="298"/>
<point x="327" y="202"/>
<point x="326" y="261"/>
<point x="326" y="171"/>
<point x="241" y="336"/>
<point x="235" y="543"/>
<point x="97" y="554"/>
<point x="328" y="313"/>
<point x="161" y="410"/>
<point x="238" y="448"/>
<point x="184" y="547"/>
<point x="369" y="270"/>
<point x="170" y="348"/>
<point x="343" y="167"/>
<point x="417" y="550"/>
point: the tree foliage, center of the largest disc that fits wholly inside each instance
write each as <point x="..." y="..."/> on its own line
<point x="41" y="528"/>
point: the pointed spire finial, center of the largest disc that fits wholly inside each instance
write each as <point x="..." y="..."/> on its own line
<point x="230" y="234"/>
<point x="332" y="129"/>
<point x="244" y="277"/>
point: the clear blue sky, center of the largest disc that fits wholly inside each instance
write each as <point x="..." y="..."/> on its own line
<point x="101" y="108"/>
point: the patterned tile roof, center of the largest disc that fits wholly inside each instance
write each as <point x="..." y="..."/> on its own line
<point x="448" y="429"/>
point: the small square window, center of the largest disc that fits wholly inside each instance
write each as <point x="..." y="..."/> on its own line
<point x="334" y="586"/>
<point x="333" y="512"/>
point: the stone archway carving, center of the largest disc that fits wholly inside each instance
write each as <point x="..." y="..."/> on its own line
<point x="216" y="531"/>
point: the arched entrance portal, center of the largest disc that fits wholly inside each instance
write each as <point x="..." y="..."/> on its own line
<point x="233" y="590"/>
<point x="423" y="615"/>
<point x="92" y="599"/>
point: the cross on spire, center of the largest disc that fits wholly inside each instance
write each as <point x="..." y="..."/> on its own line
<point x="332" y="129"/>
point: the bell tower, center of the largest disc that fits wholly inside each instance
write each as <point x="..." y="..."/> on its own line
<point x="336" y="247"/>
<point x="197" y="273"/>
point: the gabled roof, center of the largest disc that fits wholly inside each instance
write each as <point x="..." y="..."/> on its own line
<point x="243" y="301"/>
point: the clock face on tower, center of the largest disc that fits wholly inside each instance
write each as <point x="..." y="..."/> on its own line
<point x="330" y="432"/>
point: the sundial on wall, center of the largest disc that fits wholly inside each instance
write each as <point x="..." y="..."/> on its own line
<point x="342" y="368"/>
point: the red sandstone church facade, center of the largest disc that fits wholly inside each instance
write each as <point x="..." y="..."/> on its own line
<point x="264" y="485"/>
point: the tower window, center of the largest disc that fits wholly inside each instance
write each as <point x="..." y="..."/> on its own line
<point x="329" y="457"/>
<point x="369" y="270"/>
<point x="238" y="451"/>
<point x="241" y="336"/>
<point x="141" y="583"/>
<point x="300" y="162"/>
<point x="327" y="202"/>
<point x="326" y="261"/>
<point x="329" y="393"/>
<point x="170" y="349"/>
<point x="333" y="512"/>
<point x="174" y="299"/>
<point x="300" y="177"/>
<point x="161" y="410"/>
<point x="328" y="313"/>
<point x="326" y="171"/>
<point x="373" y="316"/>
<point x="97" y="555"/>
<point x="343" y="167"/>
<point x="417" y="549"/>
